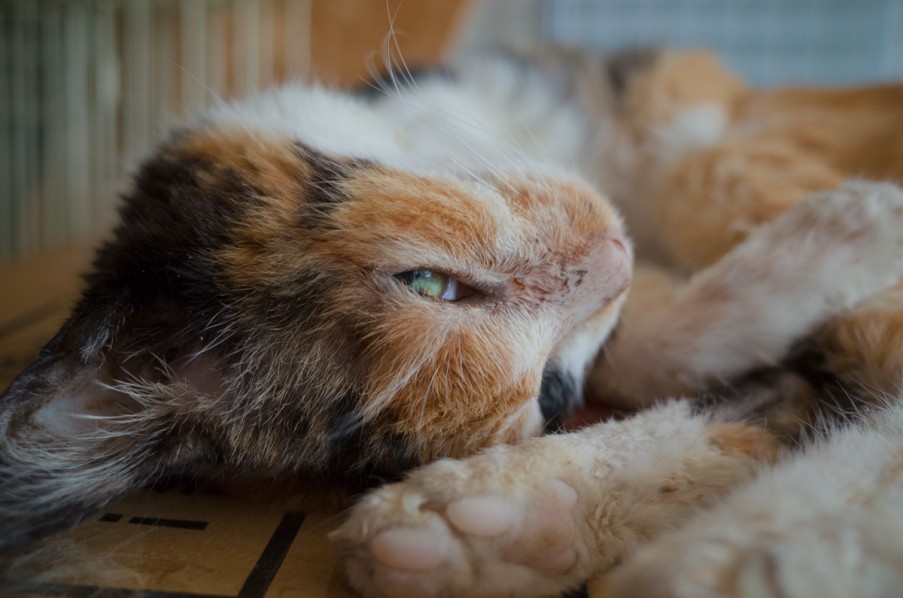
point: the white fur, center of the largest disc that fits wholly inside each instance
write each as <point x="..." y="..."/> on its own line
<point x="490" y="118"/>
<point x="694" y="128"/>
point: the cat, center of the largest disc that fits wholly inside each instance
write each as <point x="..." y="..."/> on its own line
<point x="316" y="283"/>
<point x="729" y="183"/>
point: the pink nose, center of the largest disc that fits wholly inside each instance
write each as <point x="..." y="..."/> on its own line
<point x="610" y="267"/>
<point x="596" y="276"/>
<point x="582" y="279"/>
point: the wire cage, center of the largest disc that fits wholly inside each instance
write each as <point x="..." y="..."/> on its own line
<point x="770" y="42"/>
<point x="87" y="85"/>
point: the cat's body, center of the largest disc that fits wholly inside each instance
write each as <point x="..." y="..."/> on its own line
<point x="251" y="316"/>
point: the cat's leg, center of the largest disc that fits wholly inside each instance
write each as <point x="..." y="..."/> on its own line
<point x="829" y="524"/>
<point x="541" y="517"/>
<point x="710" y="200"/>
<point x="811" y="263"/>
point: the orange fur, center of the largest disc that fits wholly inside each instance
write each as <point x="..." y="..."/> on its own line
<point x="865" y="344"/>
<point x="676" y="81"/>
<point x="409" y="216"/>
<point x="752" y="441"/>
<point x="778" y="147"/>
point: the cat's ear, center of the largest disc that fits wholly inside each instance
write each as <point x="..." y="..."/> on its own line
<point x="88" y="421"/>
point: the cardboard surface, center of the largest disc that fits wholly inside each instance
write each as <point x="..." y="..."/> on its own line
<point x="155" y="544"/>
<point x="170" y="544"/>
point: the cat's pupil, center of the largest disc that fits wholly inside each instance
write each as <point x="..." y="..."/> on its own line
<point x="425" y="282"/>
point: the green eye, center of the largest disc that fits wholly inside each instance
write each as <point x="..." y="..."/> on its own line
<point x="435" y="285"/>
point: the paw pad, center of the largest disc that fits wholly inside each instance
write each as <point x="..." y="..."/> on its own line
<point x="481" y="516"/>
<point x="409" y="549"/>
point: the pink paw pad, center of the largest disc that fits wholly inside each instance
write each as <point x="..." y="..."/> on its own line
<point x="535" y="530"/>
<point x="549" y="531"/>
<point x="482" y="516"/>
<point x="409" y="549"/>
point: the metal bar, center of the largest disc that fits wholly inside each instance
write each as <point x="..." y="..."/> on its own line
<point x="77" y="111"/>
<point x="193" y="60"/>
<point x="7" y="223"/>
<point x="53" y="161"/>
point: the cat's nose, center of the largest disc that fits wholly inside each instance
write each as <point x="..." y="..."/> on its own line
<point x="605" y="270"/>
<point x="581" y="278"/>
<point x="604" y="274"/>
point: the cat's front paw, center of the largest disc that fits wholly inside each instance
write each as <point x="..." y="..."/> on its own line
<point x="541" y="517"/>
<point x="499" y="524"/>
<point x="847" y="243"/>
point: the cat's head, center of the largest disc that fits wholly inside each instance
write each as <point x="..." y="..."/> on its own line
<point x="269" y="307"/>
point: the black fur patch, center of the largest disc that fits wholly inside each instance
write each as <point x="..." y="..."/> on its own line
<point x="792" y="400"/>
<point x="323" y="191"/>
<point x="808" y="360"/>
<point x="752" y="395"/>
<point x="558" y="397"/>
<point x="327" y="174"/>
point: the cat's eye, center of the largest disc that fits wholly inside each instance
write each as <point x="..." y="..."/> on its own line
<point x="436" y="285"/>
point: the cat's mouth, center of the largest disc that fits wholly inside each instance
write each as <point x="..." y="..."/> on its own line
<point x="563" y="407"/>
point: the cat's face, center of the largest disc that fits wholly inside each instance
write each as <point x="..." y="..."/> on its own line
<point x="271" y="309"/>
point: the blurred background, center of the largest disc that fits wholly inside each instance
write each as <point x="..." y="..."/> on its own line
<point x="87" y="86"/>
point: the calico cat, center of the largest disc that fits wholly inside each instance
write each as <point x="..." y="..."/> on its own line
<point x="315" y="283"/>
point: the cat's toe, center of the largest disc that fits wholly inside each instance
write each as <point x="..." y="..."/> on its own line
<point x="545" y="538"/>
<point x="401" y="541"/>
<point x="481" y="516"/>
<point x="408" y="549"/>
